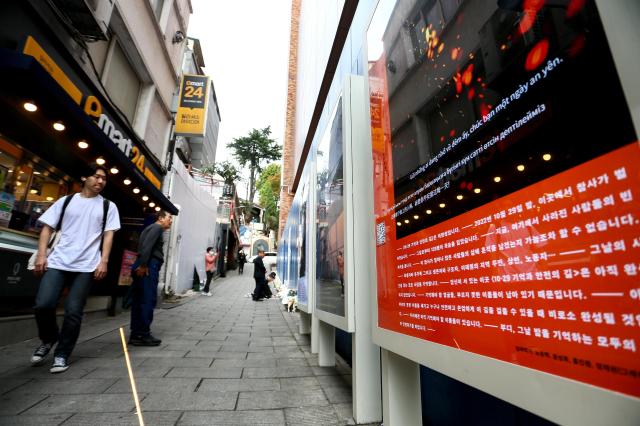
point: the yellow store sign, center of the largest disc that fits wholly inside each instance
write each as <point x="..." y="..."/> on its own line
<point x="93" y="108"/>
<point x="191" y="118"/>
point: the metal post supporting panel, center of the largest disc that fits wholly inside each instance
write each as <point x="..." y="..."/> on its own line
<point x="305" y="323"/>
<point x="326" y="345"/>
<point x="401" y="400"/>
<point x="315" y="325"/>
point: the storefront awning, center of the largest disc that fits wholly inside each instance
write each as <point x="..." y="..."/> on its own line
<point x="24" y="79"/>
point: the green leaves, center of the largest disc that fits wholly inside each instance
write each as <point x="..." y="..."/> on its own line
<point x="254" y="150"/>
<point x="226" y="170"/>
<point x="268" y="187"/>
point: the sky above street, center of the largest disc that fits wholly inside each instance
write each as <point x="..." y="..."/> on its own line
<point x="245" y="44"/>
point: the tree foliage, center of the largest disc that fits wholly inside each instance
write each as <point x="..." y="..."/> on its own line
<point x="253" y="151"/>
<point x="226" y="170"/>
<point x="268" y="187"/>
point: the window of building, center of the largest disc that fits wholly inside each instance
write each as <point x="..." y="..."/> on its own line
<point x="157" y="6"/>
<point x="28" y="186"/>
<point x="122" y="82"/>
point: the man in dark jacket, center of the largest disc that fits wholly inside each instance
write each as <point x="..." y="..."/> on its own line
<point x="259" y="272"/>
<point x="146" y="271"/>
<point x="242" y="259"/>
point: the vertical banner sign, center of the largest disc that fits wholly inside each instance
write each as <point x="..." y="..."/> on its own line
<point x="191" y="119"/>
<point x="128" y="259"/>
<point x="507" y="208"/>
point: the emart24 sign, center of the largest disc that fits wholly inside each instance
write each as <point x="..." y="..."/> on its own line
<point x="191" y="118"/>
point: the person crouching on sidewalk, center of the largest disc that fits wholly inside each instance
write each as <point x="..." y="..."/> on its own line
<point x="146" y="272"/>
<point x="86" y="223"/>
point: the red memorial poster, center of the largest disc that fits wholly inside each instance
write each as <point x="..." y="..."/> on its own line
<point x="507" y="200"/>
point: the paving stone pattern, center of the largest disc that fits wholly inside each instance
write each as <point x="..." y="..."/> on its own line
<point x="224" y="360"/>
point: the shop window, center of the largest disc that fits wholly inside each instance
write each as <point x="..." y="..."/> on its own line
<point x="122" y="82"/>
<point x="29" y="187"/>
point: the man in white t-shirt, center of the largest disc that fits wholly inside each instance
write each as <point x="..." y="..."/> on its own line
<point x="81" y="254"/>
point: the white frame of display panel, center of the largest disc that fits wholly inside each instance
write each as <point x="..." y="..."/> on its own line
<point x="558" y="399"/>
<point x="309" y="178"/>
<point x="355" y="128"/>
<point x="290" y="278"/>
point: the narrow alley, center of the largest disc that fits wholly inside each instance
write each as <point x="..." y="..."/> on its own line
<point x="223" y="360"/>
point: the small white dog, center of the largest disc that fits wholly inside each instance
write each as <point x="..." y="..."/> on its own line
<point x="292" y="301"/>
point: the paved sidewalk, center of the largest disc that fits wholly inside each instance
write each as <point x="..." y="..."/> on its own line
<point x="223" y="360"/>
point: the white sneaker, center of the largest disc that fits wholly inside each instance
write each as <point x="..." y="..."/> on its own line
<point x="40" y="353"/>
<point x="59" y="365"/>
<point x="208" y="294"/>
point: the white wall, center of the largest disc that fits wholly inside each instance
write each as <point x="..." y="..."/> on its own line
<point x="195" y="227"/>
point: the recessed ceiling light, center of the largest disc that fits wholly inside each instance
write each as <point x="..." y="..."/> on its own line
<point x="33" y="191"/>
<point x="127" y="181"/>
<point x="49" y="198"/>
<point x="100" y="161"/>
<point x="406" y="221"/>
<point x="399" y="223"/>
<point x="136" y="190"/>
<point x="497" y="179"/>
<point x="477" y="190"/>
<point x="152" y="204"/>
<point x="415" y="216"/>
<point x="520" y="167"/>
<point x="157" y="209"/>
<point x="145" y="198"/>
<point x="459" y="197"/>
<point x="442" y="205"/>
<point x="83" y="145"/>
<point x="114" y="171"/>
<point x="546" y="157"/>
<point x="36" y="173"/>
<point x="30" y="107"/>
<point x="428" y="211"/>
<point x="18" y="183"/>
<point x="58" y="126"/>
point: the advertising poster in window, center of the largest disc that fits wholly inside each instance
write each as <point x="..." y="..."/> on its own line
<point x="330" y="219"/>
<point x="128" y="259"/>
<point x="507" y="176"/>
<point x="7" y="201"/>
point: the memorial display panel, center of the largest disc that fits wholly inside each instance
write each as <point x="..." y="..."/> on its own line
<point x="506" y="175"/>
<point x="293" y="262"/>
<point x="303" y="280"/>
<point x="330" y="218"/>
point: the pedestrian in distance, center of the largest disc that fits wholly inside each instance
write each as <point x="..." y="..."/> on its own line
<point x="259" y="272"/>
<point x="340" y="262"/>
<point x="210" y="258"/>
<point x="84" y="223"/>
<point x="144" y="288"/>
<point x="242" y="259"/>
